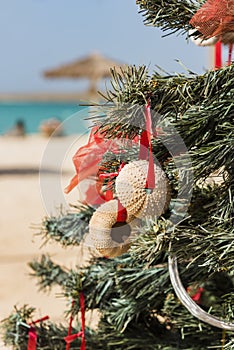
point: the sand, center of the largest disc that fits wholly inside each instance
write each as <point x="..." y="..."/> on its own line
<point x="26" y="198"/>
<point x="52" y="96"/>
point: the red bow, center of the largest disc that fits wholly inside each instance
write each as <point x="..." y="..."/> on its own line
<point x="70" y="337"/>
<point x="86" y="161"/>
<point x="32" y="334"/>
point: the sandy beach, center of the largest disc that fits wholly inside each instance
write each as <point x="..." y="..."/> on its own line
<point x="25" y="201"/>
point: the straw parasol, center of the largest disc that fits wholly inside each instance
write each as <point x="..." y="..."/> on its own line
<point x="94" y="67"/>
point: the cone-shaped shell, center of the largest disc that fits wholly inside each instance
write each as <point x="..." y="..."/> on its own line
<point x="130" y="189"/>
<point x="100" y="230"/>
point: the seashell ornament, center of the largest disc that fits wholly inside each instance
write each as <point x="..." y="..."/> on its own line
<point x="109" y="237"/>
<point x="131" y="191"/>
<point x="201" y="41"/>
<point x="227" y="38"/>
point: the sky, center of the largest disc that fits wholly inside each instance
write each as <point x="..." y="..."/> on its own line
<point x="37" y="35"/>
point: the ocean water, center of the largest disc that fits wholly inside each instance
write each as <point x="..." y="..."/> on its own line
<point x="72" y="115"/>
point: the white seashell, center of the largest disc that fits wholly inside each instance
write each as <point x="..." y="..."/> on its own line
<point x="202" y="42"/>
<point x="130" y="189"/>
<point x="101" y="230"/>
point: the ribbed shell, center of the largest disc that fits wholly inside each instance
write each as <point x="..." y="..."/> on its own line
<point x="130" y="189"/>
<point x="100" y="226"/>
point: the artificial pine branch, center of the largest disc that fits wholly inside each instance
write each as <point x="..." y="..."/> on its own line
<point x="67" y="228"/>
<point x="153" y="333"/>
<point x="208" y="241"/>
<point x="171" y="97"/>
<point x="49" y="335"/>
<point x="47" y="272"/>
<point x="171" y="15"/>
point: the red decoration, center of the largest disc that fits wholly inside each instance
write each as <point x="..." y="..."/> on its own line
<point x="214" y="18"/>
<point x="32" y="338"/>
<point x="110" y="176"/>
<point x="218" y="55"/>
<point x="88" y="157"/>
<point x="70" y="338"/>
<point x="195" y="294"/>
<point x="32" y="334"/>
<point x="145" y="145"/>
<point x="86" y="161"/>
<point x="122" y="213"/>
<point x="70" y="325"/>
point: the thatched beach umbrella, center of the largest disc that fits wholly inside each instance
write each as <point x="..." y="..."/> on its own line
<point x="93" y="67"/>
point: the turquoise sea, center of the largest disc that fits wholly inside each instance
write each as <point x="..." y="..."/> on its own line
<point x="72" y="115"/>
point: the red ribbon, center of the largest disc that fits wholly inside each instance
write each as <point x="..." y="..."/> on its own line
<point x="197" y="295"/>
<point x="86" y="161"/>
<point x="145" y="145"/>
<point x="108" y="175"/>
<point x="70" y="325"/>
<point x="122" y="213"/>
<point x="218" y="55"/>
<point x="71" y="337"/>
<point x="109" y="193"/>
<point x="40" y="320"/>
<point x="32" y="338"/>
<point x="32" y="334"/>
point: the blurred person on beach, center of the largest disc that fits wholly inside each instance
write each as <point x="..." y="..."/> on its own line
<point x="51" y="127"/>
<point x="18" y="129"/>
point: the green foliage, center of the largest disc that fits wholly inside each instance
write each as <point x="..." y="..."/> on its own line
<point x="49" y="335"/>
<point x="151" y="306"/>
<point x="133" y="83"/>
<point x="47" y="272"/>
<point x="171" y="15"/>
<point x="188" y="102"/>
<point x="13" y="328"/>
<point x="69" y="228"/>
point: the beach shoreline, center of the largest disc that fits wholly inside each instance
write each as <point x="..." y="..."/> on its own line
<point x="50" y="97"/>
<point x="22" y="210"/>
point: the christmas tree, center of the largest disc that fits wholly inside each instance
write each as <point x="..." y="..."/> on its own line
<point x="163" y="196"/>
